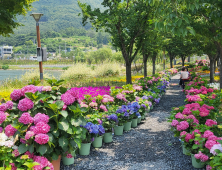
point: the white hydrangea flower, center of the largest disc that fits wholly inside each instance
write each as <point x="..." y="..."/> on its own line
<point x="3" y="137"/>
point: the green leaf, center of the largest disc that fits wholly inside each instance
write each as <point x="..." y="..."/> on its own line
<point x="42" y="149"/>
<point x="55" y="156"/>
<point x="55" y="133"/>
<point x="59" y="104"/>
<point x="64" y="125"/>
<point x="50" y="137"/>
<point x="64" y="113"/>
<point x="70" y="131"/>
<point x="78" y="122"/>
<point x="195" y="146"/>
<point x="31" y="148"/>
<point x="22" y="148"/>
<point x="62" y="89"/>
<point x="63" y="141"/>
<point x="31" y="164"/>
<point x="78" y="142"/>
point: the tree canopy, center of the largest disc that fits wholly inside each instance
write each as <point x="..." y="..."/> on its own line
<point x="9" y="9"/>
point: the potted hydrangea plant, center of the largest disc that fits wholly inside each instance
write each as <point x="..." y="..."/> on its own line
<point x="92" y="131"/>
<point x="124" y="122"/>
<point x="109" y="122"/>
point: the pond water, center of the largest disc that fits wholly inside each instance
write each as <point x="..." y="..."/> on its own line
<point x="12" y="74"/>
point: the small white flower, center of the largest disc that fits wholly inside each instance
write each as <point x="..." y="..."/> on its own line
<point x="3" y="137"/>
<point x="9" y="144"/>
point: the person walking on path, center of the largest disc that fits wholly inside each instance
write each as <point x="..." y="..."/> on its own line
<point x="184" y="76"/>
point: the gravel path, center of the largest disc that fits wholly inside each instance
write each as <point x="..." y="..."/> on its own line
<point x="150" y="146"/>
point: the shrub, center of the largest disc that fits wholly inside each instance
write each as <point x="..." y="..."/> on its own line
<point x="34" y="75"/>
<point x="5" y="67"/>
<point x="205" y="68"/>
<point x="78" y="71"/>
<point x="65" y="68"/>
<point x="107" y="69"/>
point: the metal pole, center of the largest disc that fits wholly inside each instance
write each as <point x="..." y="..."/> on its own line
<point x="164" y="60"/>
<point x="39" y="45"/>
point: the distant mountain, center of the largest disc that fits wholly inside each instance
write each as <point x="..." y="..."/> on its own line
<point x="58" y="14"/>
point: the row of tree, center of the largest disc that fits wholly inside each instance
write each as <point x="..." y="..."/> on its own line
<point x="181" y="27"/>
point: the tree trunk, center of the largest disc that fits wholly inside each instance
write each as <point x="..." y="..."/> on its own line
<point x="154" y="67"/>
<point x="211" y="70"/>
<point x="171" y="62"/>
<point x="128" y="73"/>
<point x="183" y="59"/>
<point x="189" y="59"/>
<point x="215" y="65"/>
<point x="145" y="65"/>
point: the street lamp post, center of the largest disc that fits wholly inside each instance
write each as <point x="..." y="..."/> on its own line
<point x="37" y="17"/>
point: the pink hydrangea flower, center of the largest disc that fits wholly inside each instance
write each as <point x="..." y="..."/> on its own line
<point x="28" y="88"/>
<point x="29" y="134"/>
<point x="136" y="87"/>
<point x="68" y="155"/>
<point x="41" y="139"/>
<point x="25" y="104"/>
<point x="188" y="137"/>
<point x="22" y="140"/>
<point x="68" y="99"/>
<point x="16" y="94"/>
<point x="179" y="116"/>
<point x="41" y="127"/>
<point x="2" y="117"/>
<point x="208" y="167"/>
<point x="26" y="118"/>
<point x="83" y="105"/>
<point x="186" y="111"/>
<point x="64" y="107"/>
<point x="105" y="100"/>
<point x="9" y="130"/>
<point x="42" y="161"/>
<point x="103" y="107"/>
<point x="207" y="134"/>
<point x="174" y="123"/>
<point x="15" y="153"/>
<point x="47" y="88"/>
<point x="201" y="156"/>
<point x="31" y="155"/>
<point x="210" y="143"/>
<point x="183" y="133"/>
<point x="196" y="131"/>
<point x="210" y="122"/>
<point x="3" y="107"/>
<point x="9" y="105"/>
<point x="13" y="166"/>
<point x="40" y="117"/>
<point x="183" y="126"/>
<point x="93" y="104"/>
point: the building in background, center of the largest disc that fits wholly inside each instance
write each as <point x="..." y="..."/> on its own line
<point x="6" y="51"/>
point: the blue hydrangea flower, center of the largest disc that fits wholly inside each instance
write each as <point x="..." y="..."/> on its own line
<point x="113" y="117"/>
<point x="145" y="98"/>
<point x="143" y="105"/>
<point x="101" y="130"/>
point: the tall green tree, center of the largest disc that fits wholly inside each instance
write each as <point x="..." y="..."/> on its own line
<point x="181" y="14"/>
<point x="9" y="9"/>
<point x="126" y="21"/>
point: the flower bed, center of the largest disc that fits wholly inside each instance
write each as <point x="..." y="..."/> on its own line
<point x="42" y="123"/>
<point x="197" y="123"/>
